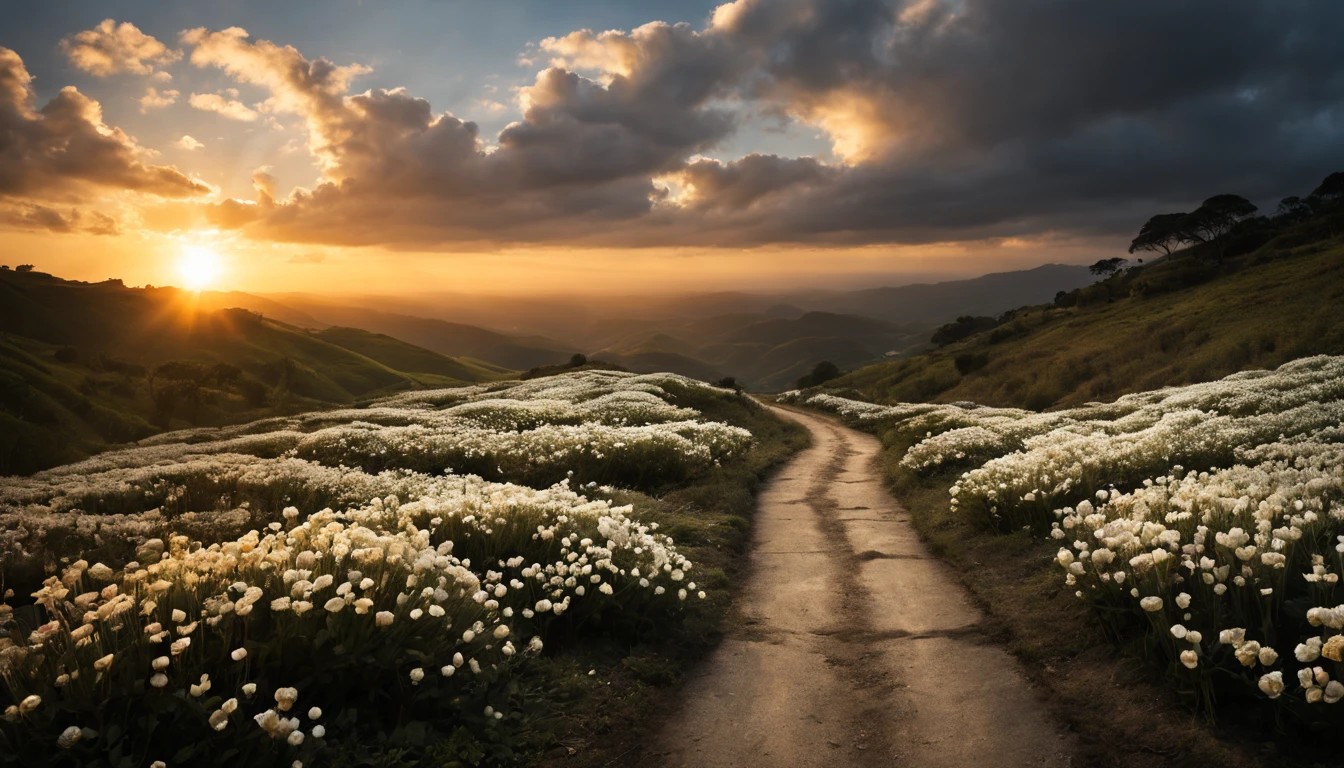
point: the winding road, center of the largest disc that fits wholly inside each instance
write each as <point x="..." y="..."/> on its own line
<point x="855" y="646"/>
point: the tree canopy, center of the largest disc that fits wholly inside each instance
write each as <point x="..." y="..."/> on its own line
<point x="1216" y="217"/>
<point x="1107" y="267"/>
<point x="1163" y="233"/>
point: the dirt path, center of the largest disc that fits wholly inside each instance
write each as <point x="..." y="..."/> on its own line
<point x="855" y="647"/>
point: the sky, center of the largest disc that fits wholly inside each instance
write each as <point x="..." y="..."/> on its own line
<point x="596" y="145"/>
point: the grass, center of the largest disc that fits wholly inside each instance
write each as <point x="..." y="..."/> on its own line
<point x="1255" y="311"/>
<point x="408" y="358"/>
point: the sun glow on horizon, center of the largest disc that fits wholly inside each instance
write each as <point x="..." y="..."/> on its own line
<point x="199" y="267"/>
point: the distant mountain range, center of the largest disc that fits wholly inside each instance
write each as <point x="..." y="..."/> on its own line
<point x="765" y="341"/>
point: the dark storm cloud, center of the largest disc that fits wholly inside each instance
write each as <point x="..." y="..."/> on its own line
<point x="955" y="120"/>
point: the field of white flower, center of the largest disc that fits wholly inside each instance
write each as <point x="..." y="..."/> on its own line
<point x="261" y="594"/>
<point x="1207" y="518"/>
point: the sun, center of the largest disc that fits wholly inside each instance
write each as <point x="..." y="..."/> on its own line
<point x="199" y="266"/>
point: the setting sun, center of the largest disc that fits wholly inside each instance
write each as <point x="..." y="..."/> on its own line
<point x="199" y="266"/>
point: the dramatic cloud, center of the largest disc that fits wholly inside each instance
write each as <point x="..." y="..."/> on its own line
<point x="64" y="151"/>
<point x="156" y="99"/>
<point x="230" y="108"/>
<point x="33" y="217"/>
<point x="188" y="143"/>
<point x="109" y="49"/>
<point x="947" y="120"/>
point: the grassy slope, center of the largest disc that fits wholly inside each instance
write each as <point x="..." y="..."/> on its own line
<point x="53" y="412"/>
<point x="45" y="418"/>
<point x="1273" y="307"/>
<point x="453" y="339"/>
<point x="408" y="358"/>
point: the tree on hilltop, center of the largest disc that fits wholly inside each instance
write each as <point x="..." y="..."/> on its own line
<point x="1164" y="233"/>
<point x="1216" y="217"/>
<point x="1108" y="267"/>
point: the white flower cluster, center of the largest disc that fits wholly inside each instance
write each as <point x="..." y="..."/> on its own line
<point x="461" y="578"/>
<point x="624" y="435"/>
<point x="1233" y="568"/>
<point x="617" y="426"/>
<point x="1026" y="464"/>
<point x="1241" y="549"/>
<point x="217" y="552"/>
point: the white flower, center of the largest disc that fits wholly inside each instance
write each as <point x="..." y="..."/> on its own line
<point x="417" y="675"/>
<point x="1151" y="604"/>
<point x="319" y="731"/>
<point x="1272" y="684"/>
<point x="238" y="654"/>
<point x="285" y="698"/>
<point x="69" y="737"/>
<point x="1248" y="653"/>
<point x="1309" y="651"/>
<point x="1190" y="659"/>
<point x="159" y="680"/>
<point x="1268" y="656"/>
<point x="315" y="713"/>
<point x="334" y="605"/>
<point x="383" y="618"/>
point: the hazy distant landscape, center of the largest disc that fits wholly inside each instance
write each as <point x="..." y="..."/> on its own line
<point x="754" y="384"/>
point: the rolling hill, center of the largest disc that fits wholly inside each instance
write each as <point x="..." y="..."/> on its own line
<point x="408" y="358"/>
<point x="83" y="365"/>
<point x="452" y="339"/>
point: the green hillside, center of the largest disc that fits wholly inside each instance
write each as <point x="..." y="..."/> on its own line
<point x="1177" y="321"/>
<point x="400" y="356"/>
<point x="84" y="365"/>
<point x="453" y="339"/>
